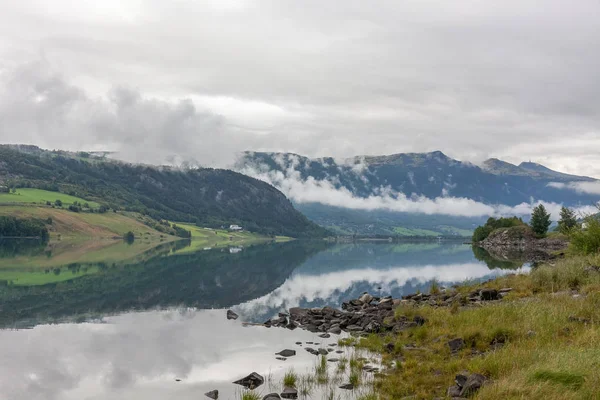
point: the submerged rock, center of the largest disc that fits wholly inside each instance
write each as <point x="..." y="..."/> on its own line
<point x="286" y="353"/>
<point x="347" y="386"/>
<point x="289" y="393"/>
<point x="272" y="396"/>
<point x="252" y="381"/>
<point x="231" y="315"/>
<point x="213" y="394"/>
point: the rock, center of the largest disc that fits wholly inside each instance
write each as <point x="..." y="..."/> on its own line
<point x="213" y="394"/>
<point x="272" y="396"/>
<point x="177" y="380"/>
<point x="335" y="329"/>
<point x="420" y="321"/>
<point x="286" y="353"/>
<point x="488" y="294"/>
<point x="453" y="391"/>
<point x="231" y="315"/>
<point x="252" y="381"/>
<point x="505" y="290"/>
<point x="299" y="343"/>
<point x="311" y="351"/>
<point x="353" y="328"/>
<point x="366" y="298"/>
<point x="323" y="352"/>
<point x="289" y="393"/>
<point x="461" y="379"/>
<point x="473" y="384"/>
<point x="584" y="321"/>
<point x="390" y="347"/>
<point x="291" y="326"/>
<point x="347" y="386"/>
<point x="333" y="359"/>
<point x="339" y="351"/>
<point x="373" y="327"/>
<point x="325" y="336"/>
<point x="530" y="333"/>
<point x="281" y="358"/>
<point x="456" y="344"/>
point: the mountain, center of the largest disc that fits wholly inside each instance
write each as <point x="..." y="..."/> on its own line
<point x="416" y="175"/>
<point x="207" y="197"/>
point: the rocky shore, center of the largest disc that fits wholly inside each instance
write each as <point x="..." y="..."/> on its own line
<point x="522" y="244"/>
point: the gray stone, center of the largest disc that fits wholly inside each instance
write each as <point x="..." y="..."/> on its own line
<point x="323" y="351"/>
<point x="231" y="315"/>
<point x="252" y="381"/>
<point x="453" y="391"/>
<point x="325" y="336"/>
<point x="213" y="394"/>
<point x="286" y="353"/>
<point x="347" y="386"/>
<point x="272" y="396"/>
<point x="473" y="384"/>
<point x="289" y="393"/>
<point x="488" y="294"/>
<point x="335" y="329"/>
<point x="456" y="344"/>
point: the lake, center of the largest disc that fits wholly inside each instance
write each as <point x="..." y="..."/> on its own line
<point x="155" y="328"/>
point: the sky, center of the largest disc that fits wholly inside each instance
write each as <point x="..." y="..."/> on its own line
<point x="203" y="80"/>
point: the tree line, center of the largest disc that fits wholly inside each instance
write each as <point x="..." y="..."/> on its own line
<point x="18" y="227"/>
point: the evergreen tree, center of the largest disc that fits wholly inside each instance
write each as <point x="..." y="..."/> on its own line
<point x="567" y="220"/>
<point x="540" y="220"/>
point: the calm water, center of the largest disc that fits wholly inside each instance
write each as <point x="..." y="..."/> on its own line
<point x="129" y="332"/>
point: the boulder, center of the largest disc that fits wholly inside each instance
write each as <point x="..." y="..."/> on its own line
<point x="323" y="351"/>
<point x="289" y="393"/>
<point x="453" y="391"/>
<point x="252" y="381"/>
<point x="286" y="353"/>
<point x="474" y="383"/>
<point x="488" y="294"/>
<point x="213" y="394"/>
<point x="347" y="386"/>
<point x="231" y="315"/>
<point x="325" y="336"/>
<point x="456" y="344"/>
<point x="366" y="298"/>
<point x="335" y="329"/>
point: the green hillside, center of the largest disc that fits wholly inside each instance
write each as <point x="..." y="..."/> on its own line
<point x="201" y="196"/>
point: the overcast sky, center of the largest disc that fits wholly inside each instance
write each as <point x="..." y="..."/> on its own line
<point x="516" y="80"/>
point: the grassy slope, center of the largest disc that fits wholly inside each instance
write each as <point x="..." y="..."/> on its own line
<point x="41" y="197"/>
<point x="205" y="237"/>
<point x="547" y="355"/>
<point x="82" y="225"/>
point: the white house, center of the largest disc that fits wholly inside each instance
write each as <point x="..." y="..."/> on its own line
<point x="235" y="228"/>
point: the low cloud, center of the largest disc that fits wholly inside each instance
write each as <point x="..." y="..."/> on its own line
<point x="579" y="187"/>
<point x="324" y="191"/>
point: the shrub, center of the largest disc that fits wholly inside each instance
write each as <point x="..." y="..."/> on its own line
<point x="586" y="240"/>
<point x="290" y="378"/>
<point x="482" y="232"/>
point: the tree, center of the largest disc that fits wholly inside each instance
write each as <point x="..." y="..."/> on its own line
<point x="540" y="220"/>
<point x="58" y="203"/>
<point x="129" y="237"/>
<point x="567" y="220"/>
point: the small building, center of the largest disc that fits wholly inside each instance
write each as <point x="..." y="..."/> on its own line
<point x="235" y="228"/>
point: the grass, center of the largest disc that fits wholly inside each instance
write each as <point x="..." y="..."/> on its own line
<point x="354" y="378"/>
<point x="540" y="342"/>
<point x="290" y="378"/>
<point x="250" y="395"/>
<point x="37" y="196"/>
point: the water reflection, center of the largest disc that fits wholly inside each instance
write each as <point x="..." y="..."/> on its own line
<point x="128" y="331"/>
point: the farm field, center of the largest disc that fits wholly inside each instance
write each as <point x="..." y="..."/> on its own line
<point x="38" y="196"/>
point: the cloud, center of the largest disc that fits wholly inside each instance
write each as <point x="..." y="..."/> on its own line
<point x="474" y="79"/>
<point x="579" y="187"/>
<point x="324" y="191"/>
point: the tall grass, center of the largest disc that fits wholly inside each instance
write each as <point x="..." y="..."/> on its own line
<point x="540" y="342"/>
<point x="290" y="378"/>
<point x="250" y="395"/>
